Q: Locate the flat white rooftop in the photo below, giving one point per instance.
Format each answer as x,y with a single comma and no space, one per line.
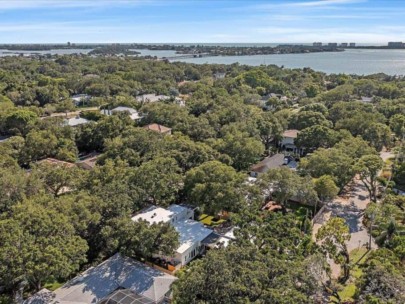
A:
133,114
190,232
155,214
76,121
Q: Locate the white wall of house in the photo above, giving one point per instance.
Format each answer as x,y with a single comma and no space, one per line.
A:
188,255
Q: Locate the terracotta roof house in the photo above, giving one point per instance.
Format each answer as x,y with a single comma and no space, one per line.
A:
288,141
159,128
112,281
290,133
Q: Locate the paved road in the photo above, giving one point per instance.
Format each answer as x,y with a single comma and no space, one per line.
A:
351,207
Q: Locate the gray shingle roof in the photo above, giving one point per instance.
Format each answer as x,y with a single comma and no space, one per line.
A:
118,272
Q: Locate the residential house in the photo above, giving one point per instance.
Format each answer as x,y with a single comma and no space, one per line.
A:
159,128
79,99
88,162
266,98
221,237
75,121
117,280
149,98
275,161
191,232
288,141
133,114
56,162
366,99
219,75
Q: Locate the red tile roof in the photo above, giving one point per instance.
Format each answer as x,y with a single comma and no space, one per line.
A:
291,133
158,128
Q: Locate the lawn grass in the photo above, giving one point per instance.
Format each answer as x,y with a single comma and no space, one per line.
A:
348,292
53,285
357,258
357,254
209,220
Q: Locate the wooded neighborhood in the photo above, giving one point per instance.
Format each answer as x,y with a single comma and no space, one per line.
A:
266,185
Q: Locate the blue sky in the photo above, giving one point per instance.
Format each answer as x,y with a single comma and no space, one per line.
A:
90,21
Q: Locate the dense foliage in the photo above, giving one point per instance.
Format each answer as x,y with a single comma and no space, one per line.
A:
58,220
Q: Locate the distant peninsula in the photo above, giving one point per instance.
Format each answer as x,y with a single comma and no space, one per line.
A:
198,50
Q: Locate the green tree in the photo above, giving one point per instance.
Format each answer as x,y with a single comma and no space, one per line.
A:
378,135
333,237
269,129
140,239
38,145
368,168
316,137
18,122
273,233
38,244
326,188
283,184
243,149
382,280
12,187
243,275
186,152
159,180
397,124
306,119
316,107
333,162
214,186
59,178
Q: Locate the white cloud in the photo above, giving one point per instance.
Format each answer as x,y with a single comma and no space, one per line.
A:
324,2
317,4
30,4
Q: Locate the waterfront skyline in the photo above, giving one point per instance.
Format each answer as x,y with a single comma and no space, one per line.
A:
294,21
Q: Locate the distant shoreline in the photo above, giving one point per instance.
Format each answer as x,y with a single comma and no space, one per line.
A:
187,51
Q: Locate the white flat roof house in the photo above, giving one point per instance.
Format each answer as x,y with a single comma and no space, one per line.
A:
146,98
80,98
191,232
115,278
151,98
75,121
155,214
133,114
